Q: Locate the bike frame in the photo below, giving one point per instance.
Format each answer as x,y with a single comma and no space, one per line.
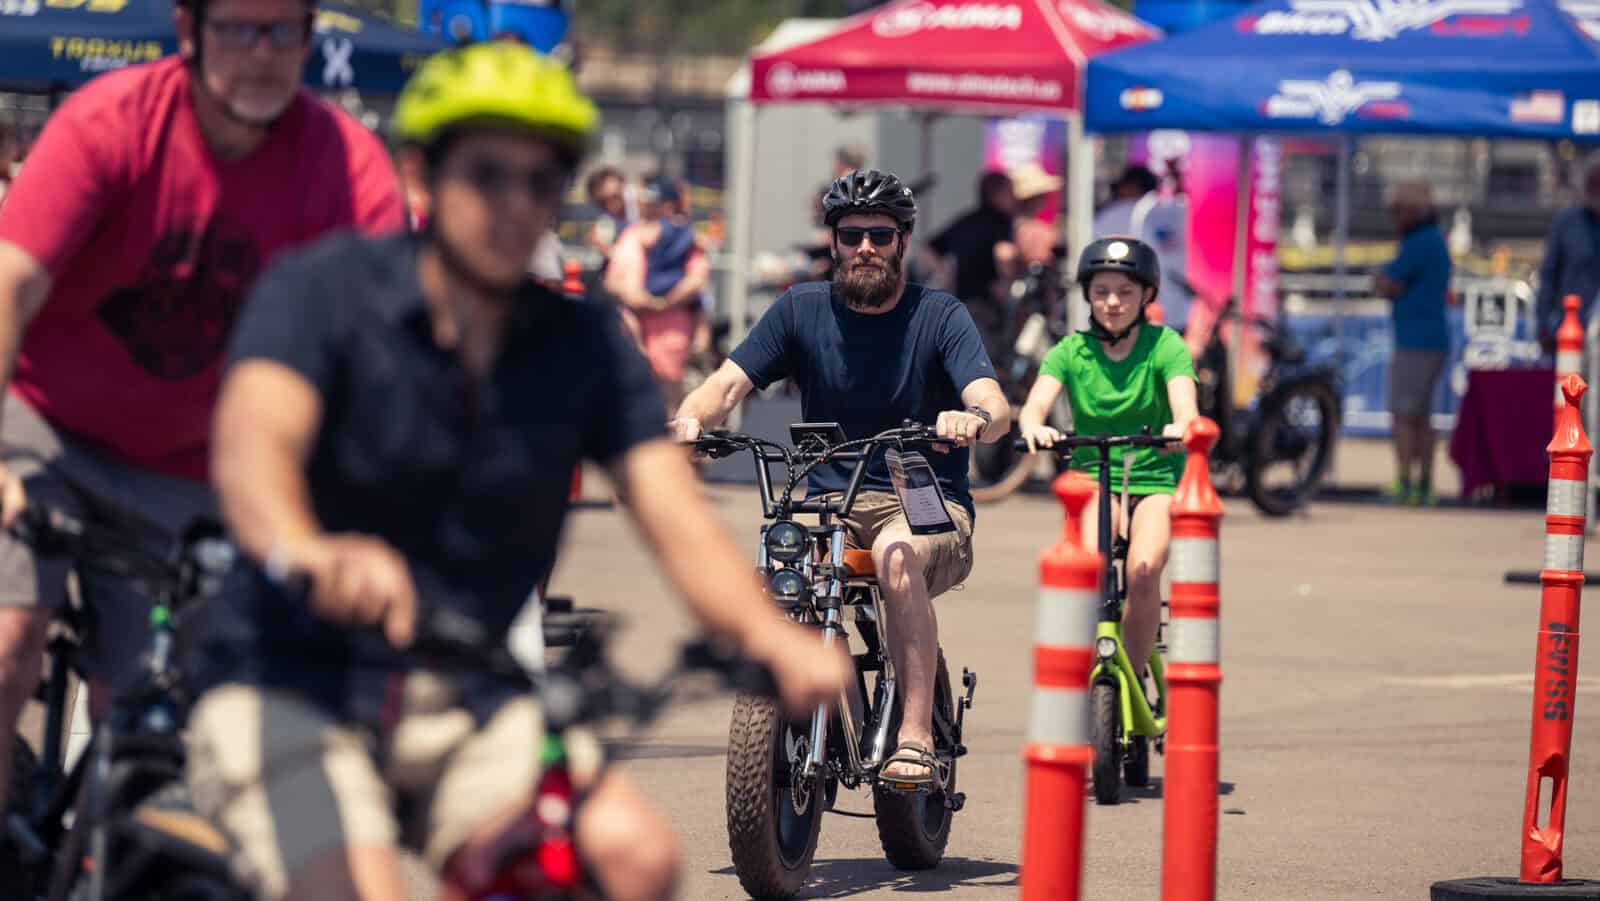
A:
1138,719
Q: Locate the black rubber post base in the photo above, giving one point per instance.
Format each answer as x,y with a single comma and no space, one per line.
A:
1531,577
1509,888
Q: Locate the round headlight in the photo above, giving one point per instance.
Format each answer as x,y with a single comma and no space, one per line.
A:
1105,647
787,541
787,586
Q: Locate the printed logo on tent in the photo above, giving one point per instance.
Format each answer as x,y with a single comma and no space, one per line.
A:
1543,107
101,55
1382,20
1586,117
785,80
914,17
1336,99
1101,23
337,70
1140,99
1004,88
110,7
1585,14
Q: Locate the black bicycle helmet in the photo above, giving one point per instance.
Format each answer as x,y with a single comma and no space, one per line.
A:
1129,256
869,191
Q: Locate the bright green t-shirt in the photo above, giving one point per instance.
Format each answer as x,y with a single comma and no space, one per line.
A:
1119,397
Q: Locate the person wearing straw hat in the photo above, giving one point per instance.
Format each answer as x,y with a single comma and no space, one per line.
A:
1032,239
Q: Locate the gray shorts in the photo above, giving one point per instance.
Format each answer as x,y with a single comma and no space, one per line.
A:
147,507
1412,377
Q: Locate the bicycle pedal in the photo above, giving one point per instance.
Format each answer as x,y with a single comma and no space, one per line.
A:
954,802
961,751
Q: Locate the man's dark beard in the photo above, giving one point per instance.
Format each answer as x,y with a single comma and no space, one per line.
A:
867,286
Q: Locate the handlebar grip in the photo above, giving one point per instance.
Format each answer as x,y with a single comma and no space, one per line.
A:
740,673
48,529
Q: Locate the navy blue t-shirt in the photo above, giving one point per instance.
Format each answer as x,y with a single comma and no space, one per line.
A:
870,372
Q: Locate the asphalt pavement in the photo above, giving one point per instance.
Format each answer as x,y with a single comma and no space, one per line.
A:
1375,709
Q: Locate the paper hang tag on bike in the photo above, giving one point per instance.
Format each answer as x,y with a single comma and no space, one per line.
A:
918,489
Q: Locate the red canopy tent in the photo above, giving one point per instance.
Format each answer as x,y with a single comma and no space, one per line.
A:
942,56
1021,55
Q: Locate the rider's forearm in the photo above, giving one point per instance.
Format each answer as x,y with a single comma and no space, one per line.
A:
24,285
1041,397
265,421
985,394
1030,418
711,403
264,497
695,550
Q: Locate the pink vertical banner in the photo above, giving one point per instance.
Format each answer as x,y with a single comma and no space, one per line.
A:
1261,243
1192,224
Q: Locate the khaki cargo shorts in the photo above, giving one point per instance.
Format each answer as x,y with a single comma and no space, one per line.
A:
949,554
287,783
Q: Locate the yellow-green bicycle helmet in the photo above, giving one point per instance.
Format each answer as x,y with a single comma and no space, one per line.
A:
498,82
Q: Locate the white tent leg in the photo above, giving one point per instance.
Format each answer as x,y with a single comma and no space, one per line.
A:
1079,213
741,235
925,213
1341,237
1239,283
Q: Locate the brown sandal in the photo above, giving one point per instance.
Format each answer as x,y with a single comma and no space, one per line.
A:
916,754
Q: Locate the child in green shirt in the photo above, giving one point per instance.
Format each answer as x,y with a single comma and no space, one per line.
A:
1121,375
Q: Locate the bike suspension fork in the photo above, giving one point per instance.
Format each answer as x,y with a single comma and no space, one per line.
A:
832,634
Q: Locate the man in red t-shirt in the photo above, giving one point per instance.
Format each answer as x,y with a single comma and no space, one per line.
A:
152,200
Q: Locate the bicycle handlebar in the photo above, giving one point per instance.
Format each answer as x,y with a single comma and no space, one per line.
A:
202,550
1105,443
583,687
718,443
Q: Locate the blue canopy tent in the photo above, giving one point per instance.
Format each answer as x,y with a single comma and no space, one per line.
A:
54,47
1486,68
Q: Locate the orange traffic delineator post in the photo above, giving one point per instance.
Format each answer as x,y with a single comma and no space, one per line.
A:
1555,676
1058,751
1154,314
1194,676
572,281
1569,345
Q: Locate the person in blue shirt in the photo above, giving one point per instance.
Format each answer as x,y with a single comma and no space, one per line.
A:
1571,262
868,350
1417,282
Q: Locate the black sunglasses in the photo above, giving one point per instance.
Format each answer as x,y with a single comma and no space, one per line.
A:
490,177
244,35
850,236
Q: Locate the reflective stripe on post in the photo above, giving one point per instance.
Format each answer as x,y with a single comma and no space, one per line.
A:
1057,754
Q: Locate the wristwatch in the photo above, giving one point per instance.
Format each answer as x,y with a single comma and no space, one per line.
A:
981,413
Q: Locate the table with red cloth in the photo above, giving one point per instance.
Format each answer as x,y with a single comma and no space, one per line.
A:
1505,422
